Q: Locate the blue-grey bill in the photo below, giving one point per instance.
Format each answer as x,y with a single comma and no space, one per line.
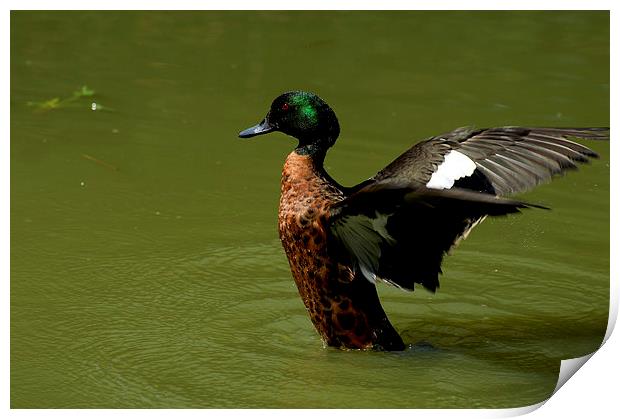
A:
262,128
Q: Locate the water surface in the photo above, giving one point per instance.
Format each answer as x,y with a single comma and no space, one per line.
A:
146,269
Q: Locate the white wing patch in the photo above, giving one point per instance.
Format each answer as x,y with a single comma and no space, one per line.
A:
362,236
455,166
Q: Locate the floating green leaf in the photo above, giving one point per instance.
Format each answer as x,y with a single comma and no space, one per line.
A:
46,105
84,92
72,100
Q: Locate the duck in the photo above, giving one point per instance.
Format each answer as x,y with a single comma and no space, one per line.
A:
397,226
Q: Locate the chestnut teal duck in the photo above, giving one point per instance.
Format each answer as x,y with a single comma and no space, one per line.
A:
397,226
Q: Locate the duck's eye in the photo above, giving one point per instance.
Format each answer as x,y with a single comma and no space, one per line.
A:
284,107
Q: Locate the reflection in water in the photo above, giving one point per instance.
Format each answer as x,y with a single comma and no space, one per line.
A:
162,283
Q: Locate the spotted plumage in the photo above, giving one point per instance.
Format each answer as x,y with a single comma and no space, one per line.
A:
343,307
396,226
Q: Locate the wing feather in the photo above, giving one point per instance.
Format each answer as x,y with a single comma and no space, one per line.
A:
511,159
400,233
398,225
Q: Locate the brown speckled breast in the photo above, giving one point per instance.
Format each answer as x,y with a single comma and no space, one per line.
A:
343,307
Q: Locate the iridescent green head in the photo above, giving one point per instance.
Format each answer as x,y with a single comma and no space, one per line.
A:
302,115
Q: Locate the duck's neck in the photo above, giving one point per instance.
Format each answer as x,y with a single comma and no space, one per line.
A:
316,149
302,171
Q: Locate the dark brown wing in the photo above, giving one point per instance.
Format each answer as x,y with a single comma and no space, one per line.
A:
500,161
399,233
398,225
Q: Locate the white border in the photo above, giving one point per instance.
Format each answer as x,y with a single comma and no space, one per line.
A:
592,392
314,5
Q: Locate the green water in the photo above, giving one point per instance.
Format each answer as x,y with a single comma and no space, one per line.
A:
146,269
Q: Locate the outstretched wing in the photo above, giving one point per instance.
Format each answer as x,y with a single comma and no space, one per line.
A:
499,161
398,225
399,233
